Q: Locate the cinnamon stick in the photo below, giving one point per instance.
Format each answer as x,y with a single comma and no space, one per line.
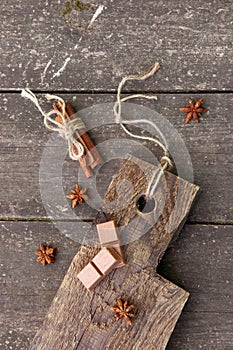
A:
87,141
82,161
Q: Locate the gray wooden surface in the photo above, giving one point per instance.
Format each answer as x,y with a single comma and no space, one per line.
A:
191,39
193,42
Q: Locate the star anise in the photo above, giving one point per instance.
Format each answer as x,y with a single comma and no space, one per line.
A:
122,310
193,110
77,195
46,255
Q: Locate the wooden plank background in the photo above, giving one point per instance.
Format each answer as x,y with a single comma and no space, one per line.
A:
193,43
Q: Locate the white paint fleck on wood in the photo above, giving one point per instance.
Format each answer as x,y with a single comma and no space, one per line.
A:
58,73
45,71
96,15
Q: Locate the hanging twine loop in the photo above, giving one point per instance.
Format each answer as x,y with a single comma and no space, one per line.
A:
66,129
165,159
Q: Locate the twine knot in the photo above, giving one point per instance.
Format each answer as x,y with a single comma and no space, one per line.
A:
66,128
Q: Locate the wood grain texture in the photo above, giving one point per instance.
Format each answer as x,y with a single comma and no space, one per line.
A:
23,139
193,42
78,319
27,288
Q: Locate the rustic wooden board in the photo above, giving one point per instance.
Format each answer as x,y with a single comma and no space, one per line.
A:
78,319
23,139
27,288
193,42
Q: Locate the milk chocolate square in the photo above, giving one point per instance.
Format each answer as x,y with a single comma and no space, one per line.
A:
106,260
90,276
107,233
109,238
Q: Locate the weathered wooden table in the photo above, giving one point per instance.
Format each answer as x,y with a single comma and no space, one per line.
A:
193,42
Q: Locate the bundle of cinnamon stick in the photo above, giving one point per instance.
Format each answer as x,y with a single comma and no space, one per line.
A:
91,157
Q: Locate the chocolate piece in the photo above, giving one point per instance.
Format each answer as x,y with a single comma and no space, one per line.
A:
109,238
121,257
90,276
99,267
107,234
106,260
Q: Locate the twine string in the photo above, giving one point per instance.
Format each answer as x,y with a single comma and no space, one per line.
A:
165,159
66,129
